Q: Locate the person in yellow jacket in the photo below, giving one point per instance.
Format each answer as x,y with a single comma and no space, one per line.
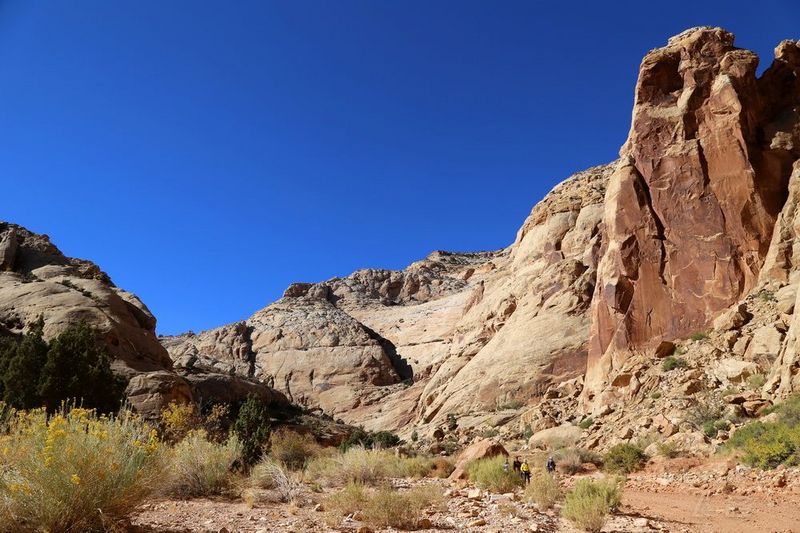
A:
525,468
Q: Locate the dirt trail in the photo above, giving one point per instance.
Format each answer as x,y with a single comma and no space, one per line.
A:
716,513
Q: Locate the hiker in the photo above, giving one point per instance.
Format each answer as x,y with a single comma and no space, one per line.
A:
526,471
551,465
505,465
516,464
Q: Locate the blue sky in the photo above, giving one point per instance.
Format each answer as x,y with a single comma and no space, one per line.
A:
208,154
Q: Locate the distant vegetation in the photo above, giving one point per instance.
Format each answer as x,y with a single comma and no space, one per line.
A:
771,444
72,367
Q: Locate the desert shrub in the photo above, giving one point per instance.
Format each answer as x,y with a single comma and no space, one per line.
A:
292,449
269,474
671,363
414,436
75,471
356,465
756,381
588,504
370,466
624,458
543,490
384,507
199,467
252,429
177,420
489,474
441,468
452,422
788,410
568,460
527,432
711,428
767,445
698,336
348,500
668,449
21,365
586,423
655,395
369,439
388,507
413,467
766,295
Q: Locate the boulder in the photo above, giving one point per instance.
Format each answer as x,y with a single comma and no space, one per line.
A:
556,437
734,318
481,449
733,370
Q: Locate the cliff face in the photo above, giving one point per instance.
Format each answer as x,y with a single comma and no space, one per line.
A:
691,208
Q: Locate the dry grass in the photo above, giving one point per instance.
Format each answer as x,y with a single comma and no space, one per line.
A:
293,449
269,474
199,467
75,471
489,474
589,503
385,506
543,490
366,466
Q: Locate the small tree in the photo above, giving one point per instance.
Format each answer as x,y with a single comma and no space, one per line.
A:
22,364
252,429
79,368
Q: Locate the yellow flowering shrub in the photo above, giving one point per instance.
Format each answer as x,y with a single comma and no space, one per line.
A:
74,470
178,419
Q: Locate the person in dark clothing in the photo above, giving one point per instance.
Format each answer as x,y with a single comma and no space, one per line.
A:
551,465
517,464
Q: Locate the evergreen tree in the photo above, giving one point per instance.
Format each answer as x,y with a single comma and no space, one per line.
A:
23,367
79,369
252,429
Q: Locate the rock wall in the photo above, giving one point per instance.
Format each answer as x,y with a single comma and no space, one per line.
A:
691,208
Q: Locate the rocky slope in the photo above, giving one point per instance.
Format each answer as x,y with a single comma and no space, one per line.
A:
36,279
616,267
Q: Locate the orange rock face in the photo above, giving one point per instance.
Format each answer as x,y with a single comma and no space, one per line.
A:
690,209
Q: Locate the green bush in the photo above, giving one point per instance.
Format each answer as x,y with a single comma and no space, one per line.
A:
624,458
711,428
489,474
368,439
586,423
588,504
671,363
252,429
73,367
767,445
698,336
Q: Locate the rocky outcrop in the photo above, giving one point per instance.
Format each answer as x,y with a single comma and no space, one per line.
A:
691,207
36,279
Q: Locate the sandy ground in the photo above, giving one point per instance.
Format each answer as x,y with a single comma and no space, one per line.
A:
677,497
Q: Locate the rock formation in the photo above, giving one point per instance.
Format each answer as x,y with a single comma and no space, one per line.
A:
36,279
691,207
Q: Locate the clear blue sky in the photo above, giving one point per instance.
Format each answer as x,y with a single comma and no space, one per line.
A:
207,154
